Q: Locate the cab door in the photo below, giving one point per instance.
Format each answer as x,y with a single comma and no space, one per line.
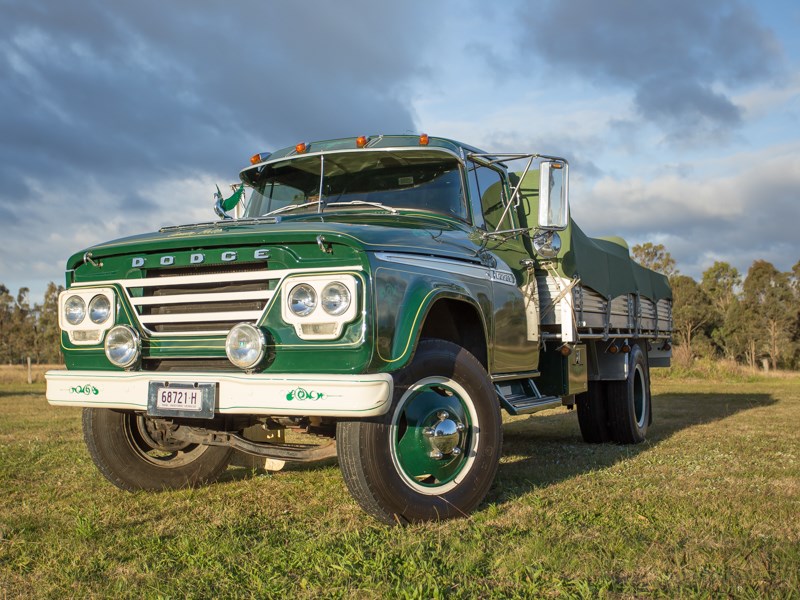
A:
514,328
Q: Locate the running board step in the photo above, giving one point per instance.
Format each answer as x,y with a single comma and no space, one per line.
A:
522,397
525,406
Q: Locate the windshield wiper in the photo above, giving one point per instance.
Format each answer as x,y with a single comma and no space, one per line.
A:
289,207
362,203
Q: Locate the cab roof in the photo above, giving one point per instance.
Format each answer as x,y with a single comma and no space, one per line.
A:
373,142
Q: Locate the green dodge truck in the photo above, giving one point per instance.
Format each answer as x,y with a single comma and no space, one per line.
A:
388,295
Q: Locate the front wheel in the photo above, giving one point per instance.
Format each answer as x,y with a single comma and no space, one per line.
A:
134,455
435,453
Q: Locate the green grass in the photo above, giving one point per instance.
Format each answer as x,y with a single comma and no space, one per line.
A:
708,507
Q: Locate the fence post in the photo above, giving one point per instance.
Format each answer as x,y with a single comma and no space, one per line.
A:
30,380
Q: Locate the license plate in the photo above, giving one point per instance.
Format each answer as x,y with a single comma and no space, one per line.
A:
165,399
172,398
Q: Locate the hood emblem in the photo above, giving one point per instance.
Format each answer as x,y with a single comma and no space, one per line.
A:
198,258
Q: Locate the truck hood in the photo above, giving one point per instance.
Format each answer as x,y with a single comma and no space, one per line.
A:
421,234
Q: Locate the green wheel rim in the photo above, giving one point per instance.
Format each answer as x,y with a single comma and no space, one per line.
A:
433,436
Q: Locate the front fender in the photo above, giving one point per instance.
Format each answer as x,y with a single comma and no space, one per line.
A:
403,297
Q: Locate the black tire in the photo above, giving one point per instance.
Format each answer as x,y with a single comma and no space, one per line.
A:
593,413
443,401
129,457
629,409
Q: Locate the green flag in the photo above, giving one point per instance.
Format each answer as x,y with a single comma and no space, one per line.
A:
229,203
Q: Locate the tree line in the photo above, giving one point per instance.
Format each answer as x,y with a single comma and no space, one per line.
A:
29,330
748,319
724,315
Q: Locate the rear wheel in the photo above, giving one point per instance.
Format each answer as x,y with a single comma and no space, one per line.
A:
593,414
134,455
629,410
435,453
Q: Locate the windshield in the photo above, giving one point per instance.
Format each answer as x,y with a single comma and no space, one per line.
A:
421,180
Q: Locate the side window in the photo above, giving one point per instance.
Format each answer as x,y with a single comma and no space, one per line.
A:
487,196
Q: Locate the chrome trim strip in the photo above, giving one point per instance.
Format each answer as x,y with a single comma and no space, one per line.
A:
199,298
447,265
238,315
513,376
220,277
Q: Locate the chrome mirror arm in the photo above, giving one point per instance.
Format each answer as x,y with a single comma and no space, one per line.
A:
218,208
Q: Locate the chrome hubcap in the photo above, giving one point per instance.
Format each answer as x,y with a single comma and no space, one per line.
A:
444,436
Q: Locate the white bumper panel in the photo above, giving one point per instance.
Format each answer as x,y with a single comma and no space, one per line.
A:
288,395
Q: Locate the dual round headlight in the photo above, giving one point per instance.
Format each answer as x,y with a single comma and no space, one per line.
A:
75,310
99,309
335,299
302,300
245,345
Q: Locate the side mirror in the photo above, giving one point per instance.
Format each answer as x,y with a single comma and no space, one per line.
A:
553,195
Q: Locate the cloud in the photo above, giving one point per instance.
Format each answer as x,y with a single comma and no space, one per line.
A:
104,104
198,80
678,58
700,218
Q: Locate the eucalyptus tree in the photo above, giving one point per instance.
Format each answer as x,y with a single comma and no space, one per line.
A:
771,305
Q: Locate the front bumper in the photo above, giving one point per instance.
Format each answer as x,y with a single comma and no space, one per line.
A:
286,395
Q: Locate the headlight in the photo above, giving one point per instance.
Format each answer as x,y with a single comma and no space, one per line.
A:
123,346
302,300
99,309
319,307
335,298
86,314
547,244
75,310
245,345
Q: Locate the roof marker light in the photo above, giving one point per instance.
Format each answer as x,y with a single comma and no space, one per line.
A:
361,141
423,139
300,148
259,158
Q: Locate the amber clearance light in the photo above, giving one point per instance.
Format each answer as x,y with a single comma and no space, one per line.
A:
361,141
423,139
300,148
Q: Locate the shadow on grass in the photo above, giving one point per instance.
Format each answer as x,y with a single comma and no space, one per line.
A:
238,472
21,391
546,449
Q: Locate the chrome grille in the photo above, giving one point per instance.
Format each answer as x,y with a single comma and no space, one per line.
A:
201,303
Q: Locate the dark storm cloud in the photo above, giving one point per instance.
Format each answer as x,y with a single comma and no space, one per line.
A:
118,117
127,90
676,56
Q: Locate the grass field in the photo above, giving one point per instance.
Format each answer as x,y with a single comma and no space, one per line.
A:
708,507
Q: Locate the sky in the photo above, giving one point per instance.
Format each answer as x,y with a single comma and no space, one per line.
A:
681,119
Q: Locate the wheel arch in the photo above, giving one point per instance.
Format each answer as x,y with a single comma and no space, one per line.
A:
441,313
458,321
